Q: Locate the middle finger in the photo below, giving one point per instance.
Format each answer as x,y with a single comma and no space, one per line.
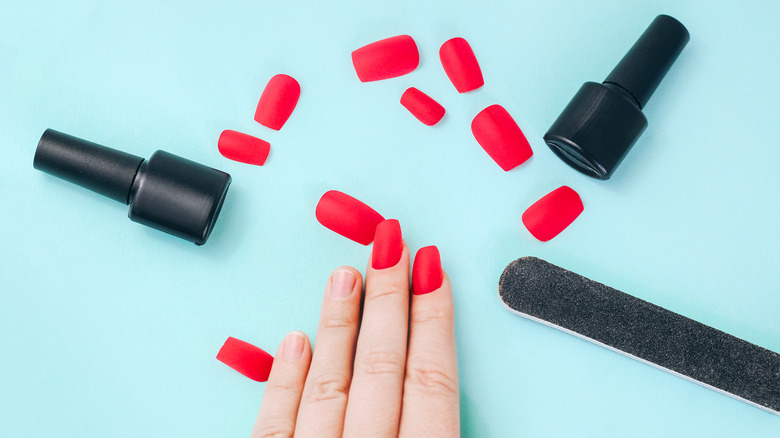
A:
374,404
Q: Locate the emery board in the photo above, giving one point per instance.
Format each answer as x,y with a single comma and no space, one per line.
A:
549,294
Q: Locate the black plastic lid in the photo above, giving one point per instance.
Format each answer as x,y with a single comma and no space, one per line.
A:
101,169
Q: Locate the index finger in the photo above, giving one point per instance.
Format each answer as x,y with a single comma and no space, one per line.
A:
431,395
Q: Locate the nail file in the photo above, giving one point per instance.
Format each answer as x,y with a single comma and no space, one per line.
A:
549,294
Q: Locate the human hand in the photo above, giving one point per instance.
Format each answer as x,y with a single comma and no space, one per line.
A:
400,379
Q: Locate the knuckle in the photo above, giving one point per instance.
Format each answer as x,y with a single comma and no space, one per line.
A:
273,429
377,362
329,387
428,315
386,291
282,387
338,322
431,379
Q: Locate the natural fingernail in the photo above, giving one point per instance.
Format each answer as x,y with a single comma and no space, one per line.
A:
427,275
342,285
388,245
293,345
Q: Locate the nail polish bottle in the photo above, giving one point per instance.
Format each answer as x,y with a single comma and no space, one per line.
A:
603,121
166,192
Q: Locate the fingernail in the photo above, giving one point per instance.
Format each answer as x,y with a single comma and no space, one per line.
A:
500,137
293,345
245,358
427,275
388,245
243,148
461,65
347,216
422,106
277,101
342,285
387,58
550,215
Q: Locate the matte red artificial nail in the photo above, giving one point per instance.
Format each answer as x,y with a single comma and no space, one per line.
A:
347,216
388,245
422,106
461,65
243,148
500,137
247,359
387,58
277,101
553,213
427,275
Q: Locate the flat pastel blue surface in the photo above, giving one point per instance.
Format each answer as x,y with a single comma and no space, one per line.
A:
108,328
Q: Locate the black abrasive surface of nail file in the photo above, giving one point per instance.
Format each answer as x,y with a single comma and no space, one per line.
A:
549,294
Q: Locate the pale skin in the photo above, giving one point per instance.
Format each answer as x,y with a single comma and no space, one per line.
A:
388,372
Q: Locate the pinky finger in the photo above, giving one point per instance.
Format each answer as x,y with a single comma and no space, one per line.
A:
282,395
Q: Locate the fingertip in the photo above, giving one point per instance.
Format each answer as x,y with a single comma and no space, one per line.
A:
427,273
295,346
405,259
358,276
445,282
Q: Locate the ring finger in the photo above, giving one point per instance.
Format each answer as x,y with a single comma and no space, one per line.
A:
324,400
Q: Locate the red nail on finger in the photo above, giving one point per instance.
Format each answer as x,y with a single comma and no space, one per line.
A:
547,217
500,137
388,245
461,65
347,216
427,275
384,59
243,148
422,106
277,101
247,359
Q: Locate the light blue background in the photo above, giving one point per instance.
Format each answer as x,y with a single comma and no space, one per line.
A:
108,328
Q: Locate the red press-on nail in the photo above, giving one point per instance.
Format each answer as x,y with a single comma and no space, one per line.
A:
384,59
426,272
243,148
388,245
553,213
246,359
422,106
461,65
277,101
347,216
500,137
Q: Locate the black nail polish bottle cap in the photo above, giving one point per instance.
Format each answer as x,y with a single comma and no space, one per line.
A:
597,129
166,192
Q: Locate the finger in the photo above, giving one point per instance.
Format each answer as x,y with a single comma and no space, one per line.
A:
324,400
283,390
430,401
374,404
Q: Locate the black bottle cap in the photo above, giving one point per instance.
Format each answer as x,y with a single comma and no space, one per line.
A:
103,170
166,192
598,127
